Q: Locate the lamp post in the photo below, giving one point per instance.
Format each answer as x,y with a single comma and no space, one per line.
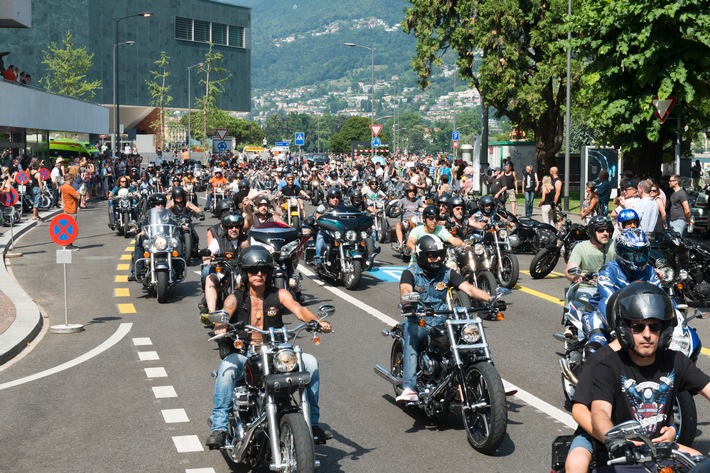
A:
372,85
116,113
114,136
189,105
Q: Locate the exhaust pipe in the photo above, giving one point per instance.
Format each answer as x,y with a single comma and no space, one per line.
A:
567,373
387,375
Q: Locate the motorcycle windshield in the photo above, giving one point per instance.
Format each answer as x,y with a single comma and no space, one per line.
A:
348,217
161,222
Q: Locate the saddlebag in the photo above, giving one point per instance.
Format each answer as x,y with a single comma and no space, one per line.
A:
560,447
287,381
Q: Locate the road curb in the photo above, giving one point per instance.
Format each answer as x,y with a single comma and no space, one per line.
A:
28,316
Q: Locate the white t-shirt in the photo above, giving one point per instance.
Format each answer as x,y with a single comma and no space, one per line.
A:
56,176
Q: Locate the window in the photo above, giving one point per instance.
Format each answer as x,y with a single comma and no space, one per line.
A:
236,36
200,31
219,34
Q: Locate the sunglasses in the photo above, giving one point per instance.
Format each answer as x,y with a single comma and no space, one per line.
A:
672,180
604,230
435,256
262,270
654,190
410,191
430,218
233,226
639,328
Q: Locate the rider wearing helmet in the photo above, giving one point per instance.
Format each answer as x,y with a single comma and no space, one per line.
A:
333,180
443,205
429,276
123,186
217,182
410,205
643,377
333,198
291,189
631,264
357,201
430,227
178,203
591,255
264,212
458,223
628,218
249,306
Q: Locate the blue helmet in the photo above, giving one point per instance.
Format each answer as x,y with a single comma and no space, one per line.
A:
632,250
626,216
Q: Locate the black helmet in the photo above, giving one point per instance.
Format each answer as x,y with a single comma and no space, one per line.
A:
232,219
642,300
255,256
486,204
356,195
430,211
455,201
224,205
333,174
597,222
444,198
157,199
425,246
239,175
178,192
334,192
244,184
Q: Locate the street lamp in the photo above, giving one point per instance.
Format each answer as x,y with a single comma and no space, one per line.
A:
372,86
114,139
116,113
189,105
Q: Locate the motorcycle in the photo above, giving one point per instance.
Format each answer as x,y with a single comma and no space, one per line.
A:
501,260
123,207
402,251
382,225
684,339
162,265
270,422
473,265
684,265
456,370
285,244
345,253
528,235
562,245
190,240
291,211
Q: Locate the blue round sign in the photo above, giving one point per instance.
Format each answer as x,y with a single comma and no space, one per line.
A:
376,142
222,146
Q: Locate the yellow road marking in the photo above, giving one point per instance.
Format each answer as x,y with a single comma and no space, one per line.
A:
705,351
123,267
552,273
129,248
541,295
120,278
122,292
126,308
125,257
133,242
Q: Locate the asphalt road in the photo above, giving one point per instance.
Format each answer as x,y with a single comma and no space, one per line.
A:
133,391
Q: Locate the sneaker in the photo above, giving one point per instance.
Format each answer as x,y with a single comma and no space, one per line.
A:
320,436
111,226
408,395
132,277
205,319
216,440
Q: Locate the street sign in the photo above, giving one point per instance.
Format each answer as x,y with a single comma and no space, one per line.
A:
22,177
44,173
376,129
376,143
663,107
300,138
455,135
456,144
10,198
222,146
221,132
63,229
282,143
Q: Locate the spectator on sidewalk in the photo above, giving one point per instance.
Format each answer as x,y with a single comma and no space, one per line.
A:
659,198
547,200
588,206
646,208
679,212
70,195
511,185
57,178
603,192
530,186
557,186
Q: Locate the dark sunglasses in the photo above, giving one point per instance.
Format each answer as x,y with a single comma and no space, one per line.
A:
430,218
604,230
234,226
638,328
262,270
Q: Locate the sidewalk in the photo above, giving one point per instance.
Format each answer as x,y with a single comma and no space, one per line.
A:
20,318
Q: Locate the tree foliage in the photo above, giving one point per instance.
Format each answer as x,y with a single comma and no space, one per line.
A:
523,61
638,49
160,95
354,129
214,78
67,69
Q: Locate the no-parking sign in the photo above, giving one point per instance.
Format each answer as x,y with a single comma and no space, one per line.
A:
22,178
44,173
10,198
63,229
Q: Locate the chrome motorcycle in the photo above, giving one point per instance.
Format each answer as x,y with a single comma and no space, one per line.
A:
473,264
123,210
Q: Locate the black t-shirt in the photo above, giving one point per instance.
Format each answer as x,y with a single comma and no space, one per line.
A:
294,191
455,278
583,390
644,393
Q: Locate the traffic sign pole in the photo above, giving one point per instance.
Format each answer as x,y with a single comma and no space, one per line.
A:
63,230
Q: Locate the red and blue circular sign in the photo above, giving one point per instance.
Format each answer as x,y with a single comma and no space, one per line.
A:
63,229
10,198
22,178
44,173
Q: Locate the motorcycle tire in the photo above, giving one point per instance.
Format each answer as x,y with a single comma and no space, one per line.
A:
187,245
543,263
296,222
685,417
397,364
296,443
352,280
485,427
119,228
384,230
458,299
486,281
161,288
126,226
394,212
510,270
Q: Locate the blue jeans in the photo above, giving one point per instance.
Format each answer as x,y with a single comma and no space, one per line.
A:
413,336
529,198
320,242
36,197
231,370
679,226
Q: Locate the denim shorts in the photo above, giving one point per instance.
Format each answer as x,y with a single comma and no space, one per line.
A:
582,440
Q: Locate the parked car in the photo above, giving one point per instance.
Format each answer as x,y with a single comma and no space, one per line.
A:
318,159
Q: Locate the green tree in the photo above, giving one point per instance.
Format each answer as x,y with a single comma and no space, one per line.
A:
160,95
522,63
354,129
639,49
67,69
214,79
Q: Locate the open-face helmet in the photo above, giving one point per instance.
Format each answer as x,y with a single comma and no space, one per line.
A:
178,193
157,199
486,204
597,222
232,219
334,192
427,245
223,206
626,217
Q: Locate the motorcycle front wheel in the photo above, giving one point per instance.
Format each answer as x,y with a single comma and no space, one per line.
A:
509,270
543,263
685,417
382,236
458,299
352,279
296,444
161,288
397,364
126,226
187,245
485,425
487,282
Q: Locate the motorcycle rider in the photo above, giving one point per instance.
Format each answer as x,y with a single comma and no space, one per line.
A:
265,213
224,207
460,226
429,276
443,205
258,298
486,206
231,239
357,201
333,198
179,204
217,183
121,183
410,204
431,227
592,254
293,190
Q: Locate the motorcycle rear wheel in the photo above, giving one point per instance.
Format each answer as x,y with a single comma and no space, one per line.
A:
397,364
543,263
485,427
296,444
685,417
510,270
161,287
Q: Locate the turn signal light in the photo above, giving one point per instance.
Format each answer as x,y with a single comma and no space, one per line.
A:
679,286
238,344
146,255
422,323
316,340
218,269
666,469
500,316
175,254
336,243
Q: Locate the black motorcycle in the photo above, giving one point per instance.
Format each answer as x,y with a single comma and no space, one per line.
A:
190,239
456,372
546,259
123,210
528,235
683,264
347,233
270,421
473,265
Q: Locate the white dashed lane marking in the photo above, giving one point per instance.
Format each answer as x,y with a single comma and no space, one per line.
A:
164,391
188,443
148,355
200,470
142,341
158,372
174,416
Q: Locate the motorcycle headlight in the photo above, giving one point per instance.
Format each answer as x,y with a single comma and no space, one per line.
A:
683,274
478,249
285,361
351,235
174,242
337,235
379,205
160,243
471,333
666,273
288,248
294,202
502,234
363,235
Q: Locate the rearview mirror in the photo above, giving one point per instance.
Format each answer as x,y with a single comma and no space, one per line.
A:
203,253
218,317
